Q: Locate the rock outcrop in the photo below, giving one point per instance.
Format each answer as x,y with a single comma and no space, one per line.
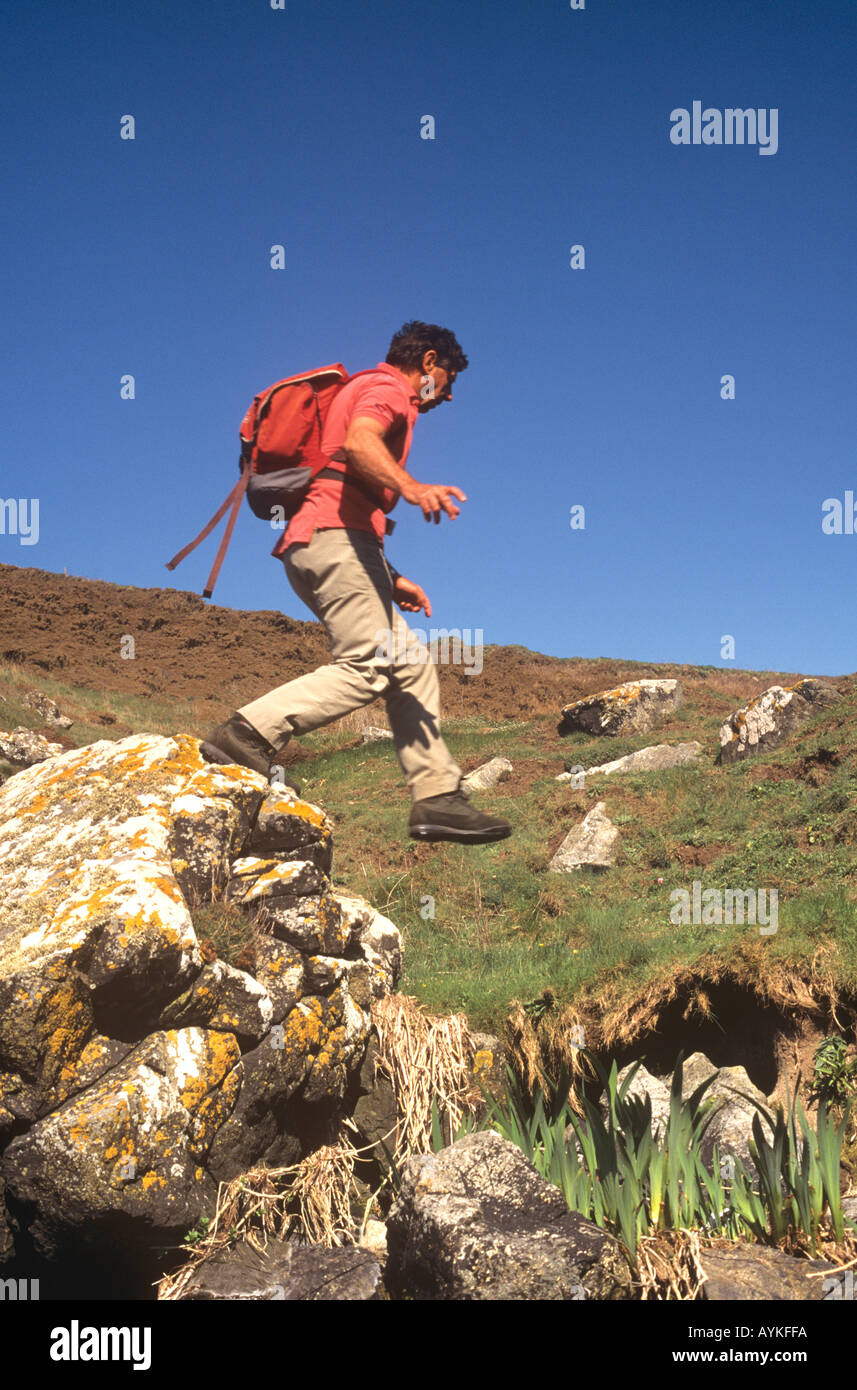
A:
488,775
47,709
632,708
476,1222
135,1074
659,756
591,845
771,717
758,1273
288,1273
735,1103
23,748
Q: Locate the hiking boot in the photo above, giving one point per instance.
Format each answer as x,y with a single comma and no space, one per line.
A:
451,817
237,741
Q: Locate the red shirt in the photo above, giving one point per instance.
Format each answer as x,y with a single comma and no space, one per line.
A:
381,394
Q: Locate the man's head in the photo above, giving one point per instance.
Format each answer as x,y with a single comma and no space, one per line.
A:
430,357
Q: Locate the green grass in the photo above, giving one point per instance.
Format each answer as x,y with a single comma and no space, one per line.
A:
505,928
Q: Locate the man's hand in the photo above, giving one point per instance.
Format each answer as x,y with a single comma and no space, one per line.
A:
410,597
432,498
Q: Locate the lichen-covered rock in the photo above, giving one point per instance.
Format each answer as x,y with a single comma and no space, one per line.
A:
280,970
315,925
772,716
593,844
476,1222
289,828
488,775
223,999
207,830
288,1273
124,1094
47,709
256,880
85,869
23,748
631,708
20,1105
380,942
130,1145
660,755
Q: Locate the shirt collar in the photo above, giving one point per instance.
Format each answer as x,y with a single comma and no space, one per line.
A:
394,371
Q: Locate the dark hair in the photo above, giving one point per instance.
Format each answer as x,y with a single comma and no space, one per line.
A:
413,340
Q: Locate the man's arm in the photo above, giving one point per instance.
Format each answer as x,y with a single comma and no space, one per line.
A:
372,460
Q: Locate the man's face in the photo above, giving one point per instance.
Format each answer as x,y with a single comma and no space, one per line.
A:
436,386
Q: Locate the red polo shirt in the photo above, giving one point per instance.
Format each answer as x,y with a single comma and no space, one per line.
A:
381,394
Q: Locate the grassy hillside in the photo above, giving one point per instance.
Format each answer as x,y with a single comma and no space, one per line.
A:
489,925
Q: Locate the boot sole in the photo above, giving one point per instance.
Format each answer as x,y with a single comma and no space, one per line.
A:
463,837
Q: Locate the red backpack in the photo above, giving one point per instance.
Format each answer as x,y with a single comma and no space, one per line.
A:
280,455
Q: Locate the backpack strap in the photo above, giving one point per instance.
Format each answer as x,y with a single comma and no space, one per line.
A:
234,500
342,476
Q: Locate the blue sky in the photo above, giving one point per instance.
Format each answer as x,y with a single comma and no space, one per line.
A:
598,387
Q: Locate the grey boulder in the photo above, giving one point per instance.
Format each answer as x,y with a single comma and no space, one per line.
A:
475,1222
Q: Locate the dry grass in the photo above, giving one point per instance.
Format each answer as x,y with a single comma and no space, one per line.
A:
427,1059
310,1201
540,1049
669,1266
430,1063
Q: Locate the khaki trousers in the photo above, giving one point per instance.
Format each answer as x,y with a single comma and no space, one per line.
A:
342,577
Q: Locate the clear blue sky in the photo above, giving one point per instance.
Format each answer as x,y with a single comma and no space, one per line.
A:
598,387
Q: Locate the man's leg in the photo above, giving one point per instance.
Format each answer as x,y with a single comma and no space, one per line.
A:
343,579
328,576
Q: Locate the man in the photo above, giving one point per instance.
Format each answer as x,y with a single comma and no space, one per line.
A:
333,552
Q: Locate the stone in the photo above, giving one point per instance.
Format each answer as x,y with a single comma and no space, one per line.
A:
136,1071
379,941
254,880
632,708
736,1099
757,1272
289,828
314,925
280,970
47,709
660,755
23,748
730,1122
593,844
288,1273
488,775
475,1222
772,716
206,831
129,1147
223,999
374,1109
372,734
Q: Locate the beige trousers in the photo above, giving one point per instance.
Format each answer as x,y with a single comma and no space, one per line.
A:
342,577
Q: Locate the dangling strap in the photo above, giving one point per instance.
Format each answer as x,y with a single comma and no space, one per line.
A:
234,500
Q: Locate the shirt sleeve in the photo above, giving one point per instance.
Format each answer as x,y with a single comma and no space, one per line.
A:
379,400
